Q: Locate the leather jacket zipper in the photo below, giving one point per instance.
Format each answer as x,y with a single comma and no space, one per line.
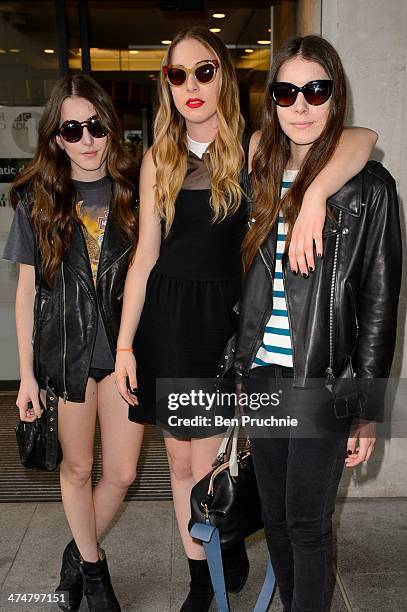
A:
329,370
65,393
289,317
239,372
271,274
112,264
101,309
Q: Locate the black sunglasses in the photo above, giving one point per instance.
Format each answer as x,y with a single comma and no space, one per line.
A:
72,130
315,92
204,72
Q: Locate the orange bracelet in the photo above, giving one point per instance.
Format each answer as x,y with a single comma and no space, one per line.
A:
129,350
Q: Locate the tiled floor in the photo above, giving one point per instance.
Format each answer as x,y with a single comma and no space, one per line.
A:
149,570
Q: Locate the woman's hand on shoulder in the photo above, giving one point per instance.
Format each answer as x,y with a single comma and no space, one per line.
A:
307,231
126,376
362,433
28,401
350,157
308,226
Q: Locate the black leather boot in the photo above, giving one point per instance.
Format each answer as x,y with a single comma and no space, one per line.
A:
236,567
200,592
98,587
71,583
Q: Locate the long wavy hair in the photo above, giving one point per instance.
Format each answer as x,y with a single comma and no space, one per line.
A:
224,158
273,151
48,175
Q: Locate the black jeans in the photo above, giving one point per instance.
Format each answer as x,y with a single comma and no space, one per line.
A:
298,480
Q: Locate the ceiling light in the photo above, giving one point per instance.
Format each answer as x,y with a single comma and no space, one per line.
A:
133,51
215,30
3,51
166,42
249,50
14,50
49,51
263,42
218,15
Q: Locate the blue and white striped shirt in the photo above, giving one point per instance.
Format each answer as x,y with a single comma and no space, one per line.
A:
276,347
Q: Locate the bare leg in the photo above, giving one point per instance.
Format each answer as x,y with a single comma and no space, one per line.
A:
76,433
121,444
189,461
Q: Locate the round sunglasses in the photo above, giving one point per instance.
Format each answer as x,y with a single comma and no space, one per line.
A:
315,92
72,130
204,72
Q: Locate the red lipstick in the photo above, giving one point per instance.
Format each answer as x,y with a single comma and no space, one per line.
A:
194,103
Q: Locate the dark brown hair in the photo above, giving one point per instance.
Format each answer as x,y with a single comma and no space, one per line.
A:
48,174
273,151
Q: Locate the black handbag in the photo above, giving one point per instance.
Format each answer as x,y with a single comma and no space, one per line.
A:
228,497
37,440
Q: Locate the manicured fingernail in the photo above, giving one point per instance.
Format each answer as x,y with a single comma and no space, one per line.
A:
349,451
304,275
294,272
319,255
311,269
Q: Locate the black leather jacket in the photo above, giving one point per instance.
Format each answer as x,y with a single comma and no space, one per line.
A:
343,317
66,313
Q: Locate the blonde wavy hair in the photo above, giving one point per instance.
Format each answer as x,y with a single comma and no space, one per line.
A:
225,156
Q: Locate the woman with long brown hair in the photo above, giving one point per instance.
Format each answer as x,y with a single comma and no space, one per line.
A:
185,278
73,234
323,339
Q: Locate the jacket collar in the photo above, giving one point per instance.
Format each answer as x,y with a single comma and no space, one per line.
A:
349,197
115,243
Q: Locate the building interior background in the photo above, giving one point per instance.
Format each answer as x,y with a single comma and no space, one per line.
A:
122,43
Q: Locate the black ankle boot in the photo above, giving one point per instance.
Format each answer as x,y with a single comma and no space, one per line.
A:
200,592
236,567
71,583
98,587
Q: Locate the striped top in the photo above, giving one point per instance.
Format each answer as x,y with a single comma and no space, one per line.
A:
276,347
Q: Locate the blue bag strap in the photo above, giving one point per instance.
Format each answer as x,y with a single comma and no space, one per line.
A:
209,536
267,590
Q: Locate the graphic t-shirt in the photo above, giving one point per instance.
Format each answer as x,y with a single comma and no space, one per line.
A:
93,204
94,218
93,208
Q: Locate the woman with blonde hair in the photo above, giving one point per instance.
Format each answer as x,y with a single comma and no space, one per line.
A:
185,278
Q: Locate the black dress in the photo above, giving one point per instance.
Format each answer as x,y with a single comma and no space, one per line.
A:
188,314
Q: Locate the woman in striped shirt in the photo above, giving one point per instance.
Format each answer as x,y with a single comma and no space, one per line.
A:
320,328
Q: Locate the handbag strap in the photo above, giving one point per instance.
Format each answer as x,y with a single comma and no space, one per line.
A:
267,590
231,436
209,536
